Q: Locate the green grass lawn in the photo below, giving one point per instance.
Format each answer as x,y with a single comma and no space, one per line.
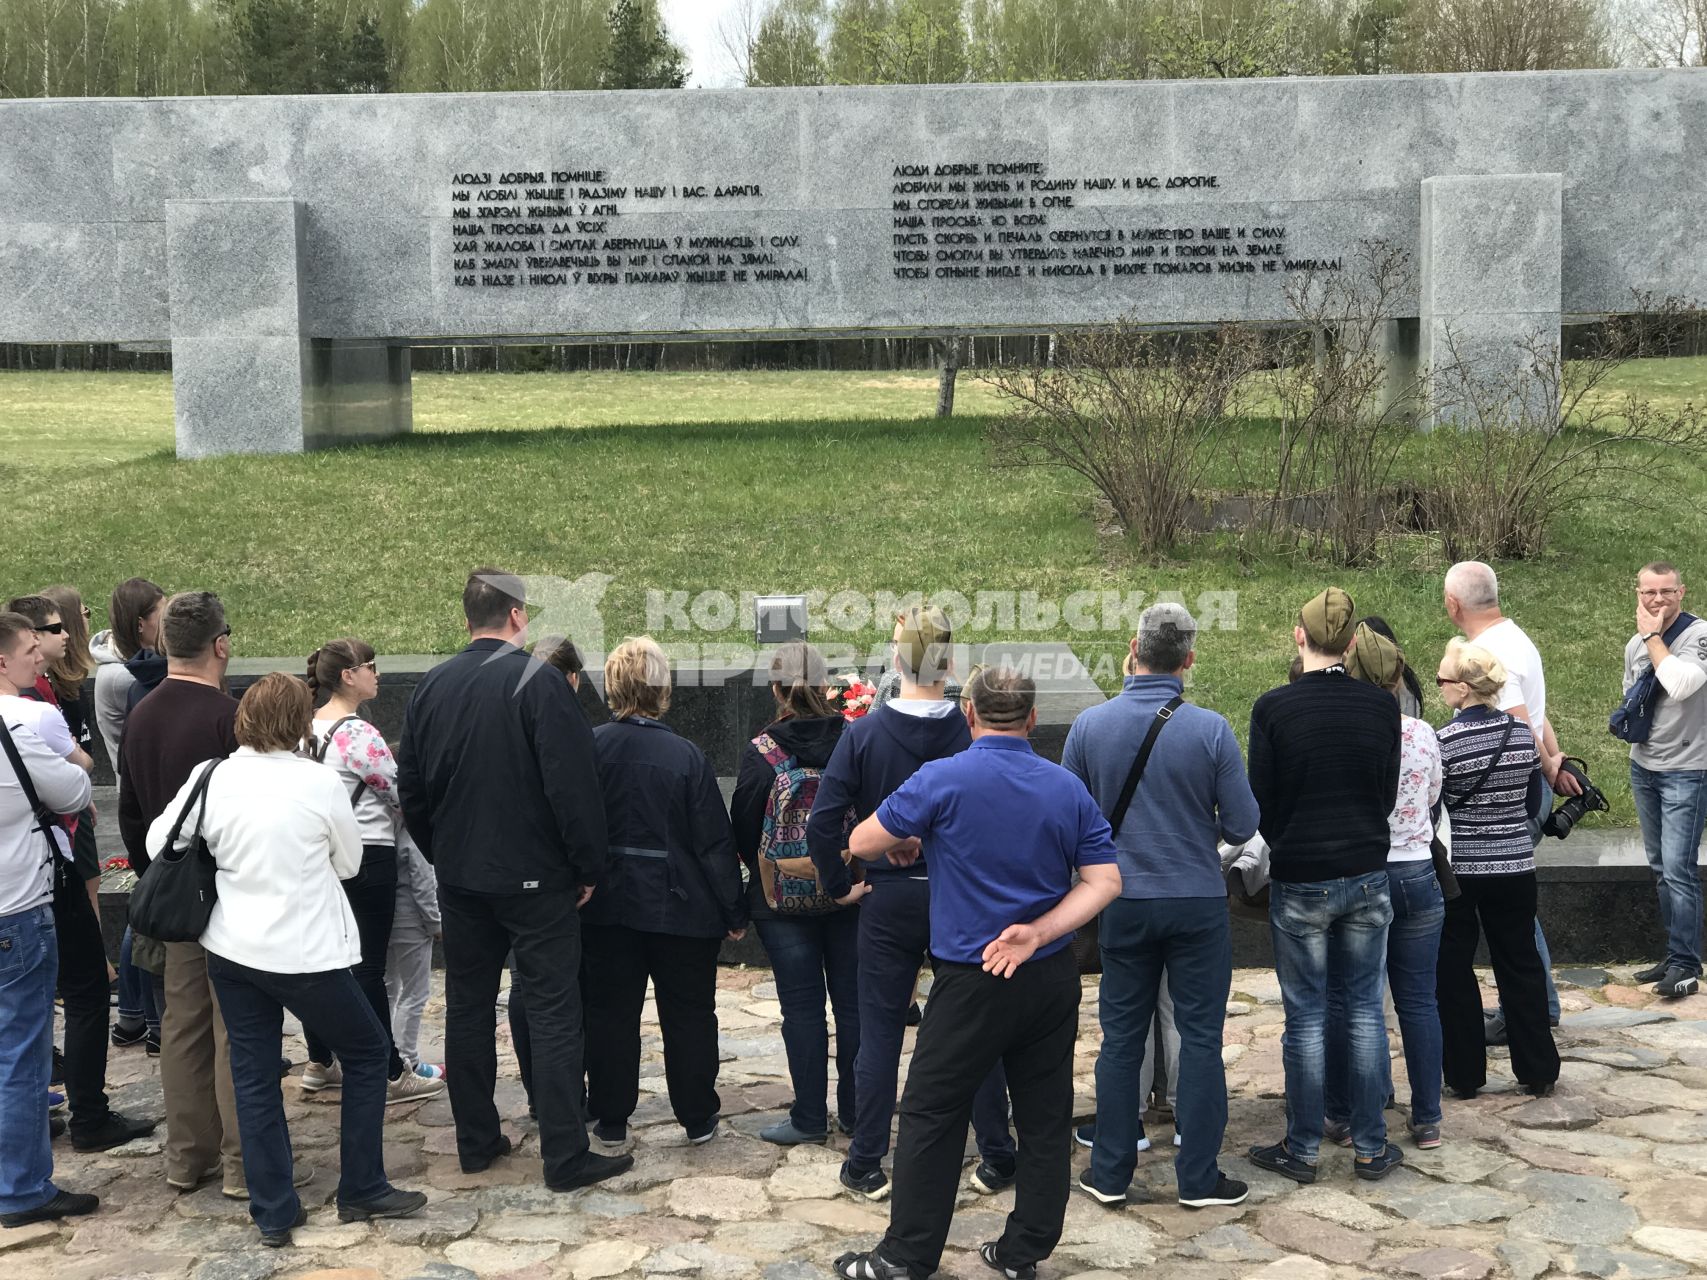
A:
755,482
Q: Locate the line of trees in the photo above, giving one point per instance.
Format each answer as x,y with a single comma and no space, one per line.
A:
52,48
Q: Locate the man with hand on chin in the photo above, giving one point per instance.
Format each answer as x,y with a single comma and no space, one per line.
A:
1006,830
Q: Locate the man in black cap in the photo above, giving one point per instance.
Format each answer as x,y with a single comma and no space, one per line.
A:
1324,766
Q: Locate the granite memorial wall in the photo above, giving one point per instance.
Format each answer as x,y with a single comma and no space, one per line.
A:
292,249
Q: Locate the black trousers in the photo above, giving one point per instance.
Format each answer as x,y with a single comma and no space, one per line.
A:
974,1021
1502,907
544,931
84,989
372,893
616,962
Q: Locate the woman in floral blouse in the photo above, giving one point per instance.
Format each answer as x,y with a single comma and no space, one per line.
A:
344,741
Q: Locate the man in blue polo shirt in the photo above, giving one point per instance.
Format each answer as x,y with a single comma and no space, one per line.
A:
1004,830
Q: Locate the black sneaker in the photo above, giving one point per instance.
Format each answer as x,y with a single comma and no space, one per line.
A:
1337,1132
1653,973
1227,1191
55,1127
1378,1168
915,1015
67,1204
152,1044
1278,1159
1677,983
1493,1030
700,1136
873,1184
282,1239
987,1179
1024,1271
124,1038
113,1130
591,1168
611,1133
393,1204
870,1266
1107,1199
479,1164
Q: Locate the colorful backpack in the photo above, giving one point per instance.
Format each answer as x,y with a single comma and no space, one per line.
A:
785,867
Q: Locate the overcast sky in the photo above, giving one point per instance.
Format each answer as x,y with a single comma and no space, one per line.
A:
694,25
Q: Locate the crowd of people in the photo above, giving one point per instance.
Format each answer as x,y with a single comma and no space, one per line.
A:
595,862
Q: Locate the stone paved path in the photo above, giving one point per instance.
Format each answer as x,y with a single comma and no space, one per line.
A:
1607,1179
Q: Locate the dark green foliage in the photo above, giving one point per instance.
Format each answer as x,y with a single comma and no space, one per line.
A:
641,54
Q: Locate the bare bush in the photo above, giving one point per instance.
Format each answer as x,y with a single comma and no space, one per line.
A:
1343,412
1523,447
1137,413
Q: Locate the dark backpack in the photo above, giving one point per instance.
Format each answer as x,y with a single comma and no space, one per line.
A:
1633,721
318,747
785,866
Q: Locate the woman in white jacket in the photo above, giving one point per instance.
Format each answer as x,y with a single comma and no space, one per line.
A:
282,936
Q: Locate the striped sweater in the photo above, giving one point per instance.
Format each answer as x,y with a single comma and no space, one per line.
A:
1490,830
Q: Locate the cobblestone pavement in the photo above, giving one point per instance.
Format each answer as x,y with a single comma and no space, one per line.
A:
1606,1179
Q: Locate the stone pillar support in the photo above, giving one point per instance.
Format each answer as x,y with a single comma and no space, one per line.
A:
246,377
1489,296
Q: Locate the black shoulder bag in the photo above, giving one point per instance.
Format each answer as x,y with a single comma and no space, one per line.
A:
322,745
1086,947
47,821
175,897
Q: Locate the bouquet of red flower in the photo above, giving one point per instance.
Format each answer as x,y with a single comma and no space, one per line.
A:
851,696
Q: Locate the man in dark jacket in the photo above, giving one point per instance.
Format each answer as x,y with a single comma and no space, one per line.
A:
876,755
500,791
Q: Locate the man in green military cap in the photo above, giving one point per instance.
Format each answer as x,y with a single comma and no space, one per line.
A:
1324,766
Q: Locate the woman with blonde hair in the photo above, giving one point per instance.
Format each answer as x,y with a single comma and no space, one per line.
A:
1491,785
812,942
669,897
282,937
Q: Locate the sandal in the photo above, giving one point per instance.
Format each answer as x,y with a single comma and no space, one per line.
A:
870,1266
987,1251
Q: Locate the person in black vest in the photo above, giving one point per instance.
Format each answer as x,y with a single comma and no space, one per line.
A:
501,793
670,896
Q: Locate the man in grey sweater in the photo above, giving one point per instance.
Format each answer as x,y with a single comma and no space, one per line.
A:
1668,772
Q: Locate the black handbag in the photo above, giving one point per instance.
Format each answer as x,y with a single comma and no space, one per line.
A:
175,896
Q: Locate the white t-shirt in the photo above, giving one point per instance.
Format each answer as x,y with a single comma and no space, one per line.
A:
1525,684
48,724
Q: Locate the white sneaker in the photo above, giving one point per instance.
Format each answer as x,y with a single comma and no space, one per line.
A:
410,1087
316,1077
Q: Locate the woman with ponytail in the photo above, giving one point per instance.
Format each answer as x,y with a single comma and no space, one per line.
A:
812,943
341,739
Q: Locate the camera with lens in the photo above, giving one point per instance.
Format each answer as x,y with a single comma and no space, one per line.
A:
1563,820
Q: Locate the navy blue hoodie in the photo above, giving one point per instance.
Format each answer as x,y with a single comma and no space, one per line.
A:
876,754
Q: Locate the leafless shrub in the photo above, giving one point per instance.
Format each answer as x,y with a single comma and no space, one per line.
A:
1518,449
1137,413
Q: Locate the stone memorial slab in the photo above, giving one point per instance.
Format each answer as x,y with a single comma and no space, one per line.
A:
292,248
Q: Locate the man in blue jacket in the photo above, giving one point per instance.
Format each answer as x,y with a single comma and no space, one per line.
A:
876,755
1171,916
500,791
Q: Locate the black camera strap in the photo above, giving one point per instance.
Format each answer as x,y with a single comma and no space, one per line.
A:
1117,815
47,821
1464,797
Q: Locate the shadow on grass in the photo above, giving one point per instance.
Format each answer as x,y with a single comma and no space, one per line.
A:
871,431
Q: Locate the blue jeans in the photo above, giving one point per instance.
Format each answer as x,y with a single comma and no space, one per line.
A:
811,956
1190,940
1328,931
137,1006
894,935
1413,952
332,1006
29,968
1672,808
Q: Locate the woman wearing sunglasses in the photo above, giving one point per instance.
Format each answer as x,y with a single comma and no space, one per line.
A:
341,739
